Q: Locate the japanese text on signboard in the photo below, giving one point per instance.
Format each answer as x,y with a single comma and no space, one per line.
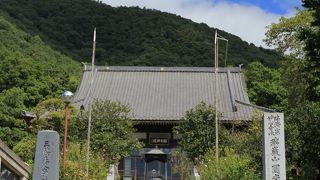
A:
274,146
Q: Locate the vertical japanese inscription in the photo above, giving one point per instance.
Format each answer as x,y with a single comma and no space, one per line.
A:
274,131
46,166
45,161
274,149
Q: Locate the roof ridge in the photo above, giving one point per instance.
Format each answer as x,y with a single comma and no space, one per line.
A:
164,69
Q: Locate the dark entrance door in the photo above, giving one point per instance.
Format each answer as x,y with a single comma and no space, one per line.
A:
156,165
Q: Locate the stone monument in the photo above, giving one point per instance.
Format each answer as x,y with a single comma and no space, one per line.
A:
46,163
274,167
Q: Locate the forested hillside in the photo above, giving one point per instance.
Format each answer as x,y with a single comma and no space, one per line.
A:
127,36
30,72
33,73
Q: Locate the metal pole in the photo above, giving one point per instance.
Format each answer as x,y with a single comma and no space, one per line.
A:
65,136
90,106
88,143
226,56
216,101
135,168
145,170
93,49
165,168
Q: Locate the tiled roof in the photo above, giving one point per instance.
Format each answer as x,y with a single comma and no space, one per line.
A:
10,159
166,93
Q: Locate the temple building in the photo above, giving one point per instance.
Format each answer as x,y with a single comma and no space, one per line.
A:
159,97
11,166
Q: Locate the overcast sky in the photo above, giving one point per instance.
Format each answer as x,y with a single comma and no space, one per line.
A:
245,18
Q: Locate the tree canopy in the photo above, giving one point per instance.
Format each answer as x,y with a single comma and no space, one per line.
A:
30,72
311,37
127,36
284,35
31,65
231,166
265,86
240,149
197,130
300,77
112,130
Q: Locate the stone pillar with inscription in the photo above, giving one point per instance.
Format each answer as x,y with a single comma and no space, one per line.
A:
46,163
274,167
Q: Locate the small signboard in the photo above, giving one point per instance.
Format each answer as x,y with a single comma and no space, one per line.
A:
274,166
159,141
46,166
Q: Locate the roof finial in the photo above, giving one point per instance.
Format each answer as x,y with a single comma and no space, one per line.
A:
84,65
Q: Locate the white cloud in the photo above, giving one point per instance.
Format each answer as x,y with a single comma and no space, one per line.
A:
246,21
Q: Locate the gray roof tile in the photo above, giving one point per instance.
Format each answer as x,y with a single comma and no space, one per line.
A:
156,93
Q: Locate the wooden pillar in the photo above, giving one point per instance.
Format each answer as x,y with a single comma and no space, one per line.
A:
145,170
165,171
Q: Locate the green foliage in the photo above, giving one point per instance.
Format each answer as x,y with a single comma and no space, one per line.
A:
112,130
127,36
35,68
231,166
238,142
284,35
11,136
197,130
26,149
11,107
50,114
30,72
75,164
181,164
300,76
293,81
299,36
304,127
198,137
311,38
247,142
12,126
265,86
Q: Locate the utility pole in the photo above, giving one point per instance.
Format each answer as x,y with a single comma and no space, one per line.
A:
217,37
216,64
90,105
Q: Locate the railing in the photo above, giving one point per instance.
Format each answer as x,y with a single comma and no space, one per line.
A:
133,175
128,173
195,173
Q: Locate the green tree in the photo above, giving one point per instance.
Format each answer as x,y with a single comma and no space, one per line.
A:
12,127
265,86
26,149
50,114
300,76
27,63
292,80
247,142
240,145
231,166
181,163
305,119
197,130
311,38
127,36
284,35
75,164
112,130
